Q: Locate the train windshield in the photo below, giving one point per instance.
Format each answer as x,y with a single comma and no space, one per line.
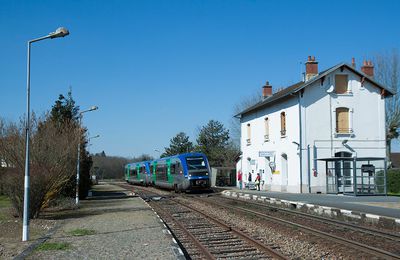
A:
196,163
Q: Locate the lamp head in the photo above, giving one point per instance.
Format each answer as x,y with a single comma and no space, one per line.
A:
344,142
94,108
60,32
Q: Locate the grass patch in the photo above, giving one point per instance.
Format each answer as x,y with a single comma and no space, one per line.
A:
5,205
82,232
53,246
5,202
394,194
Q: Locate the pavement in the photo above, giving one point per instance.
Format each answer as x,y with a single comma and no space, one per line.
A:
111,224
372,209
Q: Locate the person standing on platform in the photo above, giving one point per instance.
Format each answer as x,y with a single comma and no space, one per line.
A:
257,182
249,180
240,178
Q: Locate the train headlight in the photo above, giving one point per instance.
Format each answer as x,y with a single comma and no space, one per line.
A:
190,175
206,173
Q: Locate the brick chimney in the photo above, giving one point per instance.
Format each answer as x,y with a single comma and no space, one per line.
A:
311,68
267,90
368,68
353,63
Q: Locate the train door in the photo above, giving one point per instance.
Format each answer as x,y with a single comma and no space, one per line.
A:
143,173
127,175
153,169
170,178
137,172
132,173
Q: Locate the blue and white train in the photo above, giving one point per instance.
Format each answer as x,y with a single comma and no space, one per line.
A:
182,172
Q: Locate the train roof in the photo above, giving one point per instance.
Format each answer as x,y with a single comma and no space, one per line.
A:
136,163
180,156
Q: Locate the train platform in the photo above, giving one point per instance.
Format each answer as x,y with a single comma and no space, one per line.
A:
373,209
113,223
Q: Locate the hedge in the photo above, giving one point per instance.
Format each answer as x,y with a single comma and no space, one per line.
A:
393,180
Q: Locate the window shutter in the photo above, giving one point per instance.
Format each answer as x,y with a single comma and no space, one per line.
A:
341,84
283,123
342,120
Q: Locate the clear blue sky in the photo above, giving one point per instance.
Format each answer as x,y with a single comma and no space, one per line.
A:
156,68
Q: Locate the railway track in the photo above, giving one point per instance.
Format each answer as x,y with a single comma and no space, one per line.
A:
205,237
383,237
202,238
366,230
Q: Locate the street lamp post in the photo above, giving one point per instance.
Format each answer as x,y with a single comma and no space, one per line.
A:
93,137
79,153
60,32
91,175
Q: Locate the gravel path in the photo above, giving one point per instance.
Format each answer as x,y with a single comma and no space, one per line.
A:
124,228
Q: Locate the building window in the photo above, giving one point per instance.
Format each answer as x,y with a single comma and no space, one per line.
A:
248,134
343,121
341,84
266,129
283,124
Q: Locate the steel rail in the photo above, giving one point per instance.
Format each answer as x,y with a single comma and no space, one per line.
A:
264,248
203,249
241,234
366,230
372,250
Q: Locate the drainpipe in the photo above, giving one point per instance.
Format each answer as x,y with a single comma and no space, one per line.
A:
330,123
308,168
300,146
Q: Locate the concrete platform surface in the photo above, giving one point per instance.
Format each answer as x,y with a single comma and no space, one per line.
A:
115,225
378,206
388,206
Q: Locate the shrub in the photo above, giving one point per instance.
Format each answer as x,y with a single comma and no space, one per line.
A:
52,161
393,180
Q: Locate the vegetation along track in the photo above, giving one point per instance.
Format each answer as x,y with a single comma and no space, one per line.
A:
204,237
379,243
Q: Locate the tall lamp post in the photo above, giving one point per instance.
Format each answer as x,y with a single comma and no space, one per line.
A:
79,152
60,32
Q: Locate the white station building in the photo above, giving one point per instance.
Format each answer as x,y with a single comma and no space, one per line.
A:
325,134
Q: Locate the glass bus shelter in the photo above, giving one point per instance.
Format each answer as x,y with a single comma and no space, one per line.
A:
355,176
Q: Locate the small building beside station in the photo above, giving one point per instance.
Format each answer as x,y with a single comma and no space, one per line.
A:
324,134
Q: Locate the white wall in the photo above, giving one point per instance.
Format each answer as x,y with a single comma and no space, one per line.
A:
317,106
367,119
276,144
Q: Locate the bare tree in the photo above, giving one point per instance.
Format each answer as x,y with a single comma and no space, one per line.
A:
387,72
110,167
52,161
